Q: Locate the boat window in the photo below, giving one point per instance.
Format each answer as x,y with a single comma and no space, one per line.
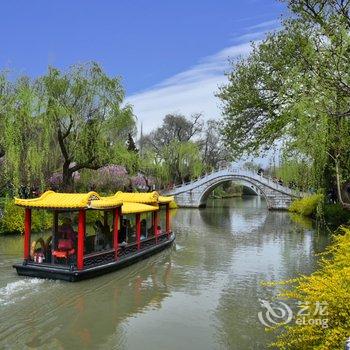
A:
129,223
99,231
162,219
147,229
61,246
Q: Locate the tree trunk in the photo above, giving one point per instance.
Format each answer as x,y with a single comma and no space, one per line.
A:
67,178
149,187
344,205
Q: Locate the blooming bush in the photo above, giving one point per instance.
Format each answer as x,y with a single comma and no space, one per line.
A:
110,178
56,179
329,285
139,182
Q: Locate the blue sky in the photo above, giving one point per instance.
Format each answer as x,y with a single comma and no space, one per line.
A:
171,55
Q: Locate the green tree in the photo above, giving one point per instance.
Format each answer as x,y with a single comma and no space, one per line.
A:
23,138
174,147
81,107
5,99
182,149
294,88
213,150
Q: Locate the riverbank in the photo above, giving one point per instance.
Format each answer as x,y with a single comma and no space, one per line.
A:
327,289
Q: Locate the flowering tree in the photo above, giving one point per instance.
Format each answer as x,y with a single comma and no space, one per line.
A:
142,182
108,179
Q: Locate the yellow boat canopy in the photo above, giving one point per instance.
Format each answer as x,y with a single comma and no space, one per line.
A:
130,202
134,208
106,203
165,199
146,198
53,200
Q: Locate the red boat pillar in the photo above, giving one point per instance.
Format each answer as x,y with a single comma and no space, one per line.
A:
138,231
27,229
81,236
115,231
167,219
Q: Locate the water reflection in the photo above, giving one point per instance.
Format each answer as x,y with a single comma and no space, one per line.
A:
201,294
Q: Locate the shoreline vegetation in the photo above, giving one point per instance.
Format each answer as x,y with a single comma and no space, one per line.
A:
315,207
329,284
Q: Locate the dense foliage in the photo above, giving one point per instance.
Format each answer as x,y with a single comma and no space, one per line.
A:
12,219
293,92
72,131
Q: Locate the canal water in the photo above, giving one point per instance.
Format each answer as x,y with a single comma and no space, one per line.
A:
203,293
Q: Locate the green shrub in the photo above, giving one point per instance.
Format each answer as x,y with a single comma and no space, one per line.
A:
307,206
330,285
13,219
336,215
41,220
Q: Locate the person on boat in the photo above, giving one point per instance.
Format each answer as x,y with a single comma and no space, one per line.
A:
143,229
159,230
66,235
100,237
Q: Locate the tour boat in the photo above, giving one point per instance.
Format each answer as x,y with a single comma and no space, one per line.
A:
74,252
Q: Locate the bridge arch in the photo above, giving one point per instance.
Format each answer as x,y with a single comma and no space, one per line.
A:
203,196
195,193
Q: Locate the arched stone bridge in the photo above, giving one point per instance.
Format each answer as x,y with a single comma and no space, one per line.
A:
195,193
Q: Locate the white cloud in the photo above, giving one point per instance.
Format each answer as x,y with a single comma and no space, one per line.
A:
190,91
268,24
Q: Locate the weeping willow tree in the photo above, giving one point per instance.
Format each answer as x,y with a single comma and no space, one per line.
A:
84,116
5,98
23,141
